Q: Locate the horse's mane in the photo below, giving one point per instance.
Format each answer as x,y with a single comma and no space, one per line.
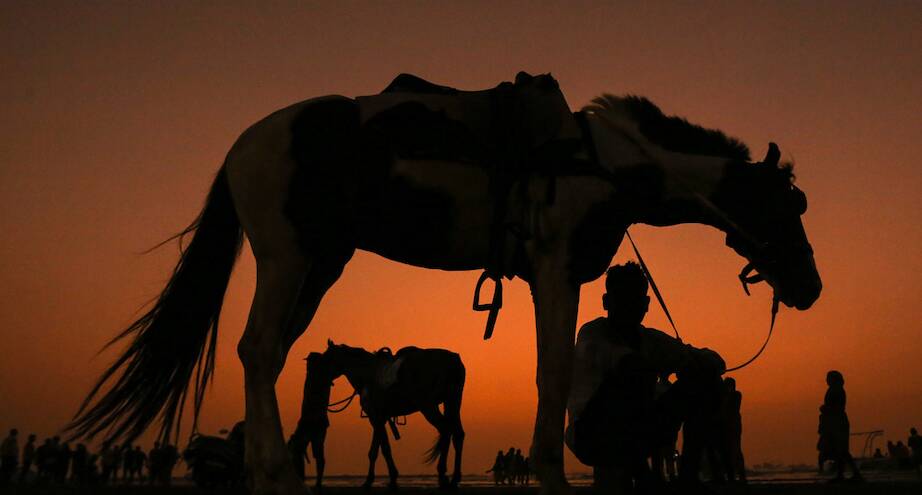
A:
671,132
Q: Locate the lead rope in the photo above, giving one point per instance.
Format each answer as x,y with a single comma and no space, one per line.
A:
646,272
768,337
662,303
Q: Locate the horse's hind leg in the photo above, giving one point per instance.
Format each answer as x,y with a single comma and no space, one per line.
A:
381,429
453,423
289,287
437,420
288,291
262,352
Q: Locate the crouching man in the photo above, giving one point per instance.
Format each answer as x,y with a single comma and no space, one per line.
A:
615,419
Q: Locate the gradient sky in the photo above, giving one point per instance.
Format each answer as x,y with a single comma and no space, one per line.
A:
115,118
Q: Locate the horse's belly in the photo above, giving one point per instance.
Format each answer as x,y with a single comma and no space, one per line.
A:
430,213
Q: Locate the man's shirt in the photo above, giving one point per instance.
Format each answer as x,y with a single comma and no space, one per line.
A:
599,349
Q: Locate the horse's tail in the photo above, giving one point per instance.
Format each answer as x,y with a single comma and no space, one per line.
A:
432,454
174,339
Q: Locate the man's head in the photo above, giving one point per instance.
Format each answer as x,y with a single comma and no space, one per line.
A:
625,297
32,437
835,379
14,432
913,432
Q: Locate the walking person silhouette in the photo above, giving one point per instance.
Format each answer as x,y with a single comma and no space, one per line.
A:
834,429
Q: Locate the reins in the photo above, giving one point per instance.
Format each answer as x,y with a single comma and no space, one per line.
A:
393,422
347,400
744,277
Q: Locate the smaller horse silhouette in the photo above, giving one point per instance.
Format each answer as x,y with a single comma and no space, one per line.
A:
391,385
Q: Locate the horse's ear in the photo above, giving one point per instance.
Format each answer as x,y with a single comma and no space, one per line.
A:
329,342
772,155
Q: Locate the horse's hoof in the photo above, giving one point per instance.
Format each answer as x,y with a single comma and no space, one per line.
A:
366,485
393,486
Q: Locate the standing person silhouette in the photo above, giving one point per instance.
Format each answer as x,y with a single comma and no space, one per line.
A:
612,411
28,457
499,468
9,456
834,428
915,443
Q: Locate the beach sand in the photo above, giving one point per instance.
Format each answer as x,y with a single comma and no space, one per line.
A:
820,488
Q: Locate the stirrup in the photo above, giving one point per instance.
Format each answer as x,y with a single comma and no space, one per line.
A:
493,306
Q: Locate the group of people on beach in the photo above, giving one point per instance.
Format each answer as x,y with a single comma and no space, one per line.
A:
511,468
56,462
904,455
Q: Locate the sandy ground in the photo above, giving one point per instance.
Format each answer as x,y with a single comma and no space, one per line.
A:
887,488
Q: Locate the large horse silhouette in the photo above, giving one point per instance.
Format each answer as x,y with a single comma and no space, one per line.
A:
431,177
389,385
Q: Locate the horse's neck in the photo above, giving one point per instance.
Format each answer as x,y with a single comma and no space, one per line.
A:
361,372
658,187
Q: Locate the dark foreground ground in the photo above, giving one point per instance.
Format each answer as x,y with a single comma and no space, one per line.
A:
888,488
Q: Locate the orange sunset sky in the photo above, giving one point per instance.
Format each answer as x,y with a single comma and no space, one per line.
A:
115,118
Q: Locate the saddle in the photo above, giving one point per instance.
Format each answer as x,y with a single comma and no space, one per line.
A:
513,130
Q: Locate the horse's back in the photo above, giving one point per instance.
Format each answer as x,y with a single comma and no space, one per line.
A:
440,363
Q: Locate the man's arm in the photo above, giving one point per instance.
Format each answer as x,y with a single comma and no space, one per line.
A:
671,355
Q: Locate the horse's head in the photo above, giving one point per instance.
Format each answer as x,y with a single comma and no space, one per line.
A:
762,210
340,359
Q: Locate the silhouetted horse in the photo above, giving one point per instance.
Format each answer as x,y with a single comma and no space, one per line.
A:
412,380
505,179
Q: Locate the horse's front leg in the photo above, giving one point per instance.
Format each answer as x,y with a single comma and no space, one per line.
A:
372,457
556,302
388,457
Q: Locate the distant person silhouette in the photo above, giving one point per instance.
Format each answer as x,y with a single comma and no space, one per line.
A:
28,458
80,465
108,458
834,428
170,457
613,415
63,465
878,454
140,459
154,463
519,473
9,456
526,471
902,455
44,459
511,466
499,468
915,443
